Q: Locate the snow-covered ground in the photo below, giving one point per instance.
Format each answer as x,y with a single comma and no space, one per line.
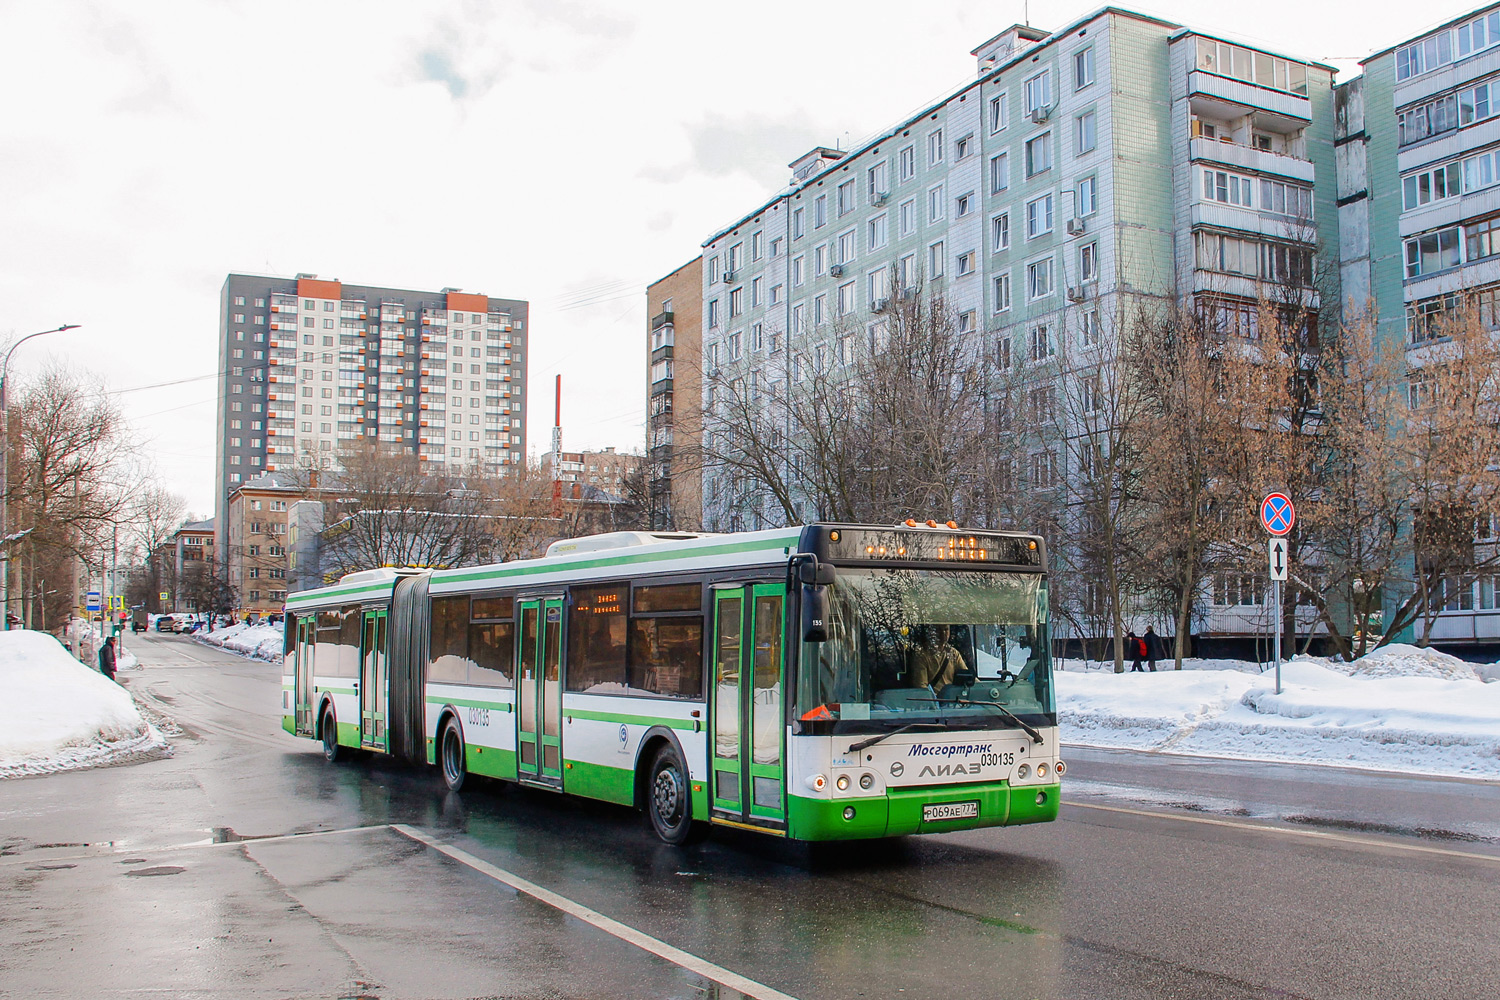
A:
263,642
1399,708
57,714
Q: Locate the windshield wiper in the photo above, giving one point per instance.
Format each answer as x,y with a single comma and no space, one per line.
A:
1035,736
862,744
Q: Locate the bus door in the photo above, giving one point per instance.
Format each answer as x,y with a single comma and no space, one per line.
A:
374,682
539,691
307,637
747,723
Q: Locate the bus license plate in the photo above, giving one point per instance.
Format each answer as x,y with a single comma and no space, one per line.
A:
935,811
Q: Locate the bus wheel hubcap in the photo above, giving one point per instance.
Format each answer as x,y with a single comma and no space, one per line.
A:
667,795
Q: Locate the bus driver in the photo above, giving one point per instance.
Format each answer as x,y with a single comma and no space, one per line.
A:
935,664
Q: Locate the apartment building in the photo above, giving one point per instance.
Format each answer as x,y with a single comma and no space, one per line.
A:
309,366
607,470
1419,189
674,387
1120,159
255,554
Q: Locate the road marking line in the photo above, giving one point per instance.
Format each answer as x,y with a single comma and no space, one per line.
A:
1291,832
624,932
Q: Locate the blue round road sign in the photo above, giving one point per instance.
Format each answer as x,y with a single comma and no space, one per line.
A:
1277,514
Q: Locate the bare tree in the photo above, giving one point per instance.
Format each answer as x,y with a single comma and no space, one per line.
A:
154,514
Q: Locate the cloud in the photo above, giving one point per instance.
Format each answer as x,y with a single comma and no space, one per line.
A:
756,145
436,66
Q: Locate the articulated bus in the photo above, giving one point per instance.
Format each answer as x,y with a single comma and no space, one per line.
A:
832,681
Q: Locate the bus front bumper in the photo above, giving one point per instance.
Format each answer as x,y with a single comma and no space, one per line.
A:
899,812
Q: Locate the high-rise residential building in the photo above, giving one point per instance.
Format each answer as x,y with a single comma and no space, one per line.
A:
308,366
1419,197
1120,157
674,386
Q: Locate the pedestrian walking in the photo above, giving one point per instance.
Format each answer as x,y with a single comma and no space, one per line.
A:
107,658
1154,648
1136,649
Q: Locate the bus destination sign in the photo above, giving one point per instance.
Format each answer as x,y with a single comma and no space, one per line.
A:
916,545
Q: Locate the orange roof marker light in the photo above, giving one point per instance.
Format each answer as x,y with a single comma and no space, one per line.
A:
952,524
932,524
911,522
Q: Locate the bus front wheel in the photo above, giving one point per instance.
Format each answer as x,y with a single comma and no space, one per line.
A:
667,801
454,756
330,731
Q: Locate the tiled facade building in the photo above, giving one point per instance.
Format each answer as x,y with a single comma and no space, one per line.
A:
674,387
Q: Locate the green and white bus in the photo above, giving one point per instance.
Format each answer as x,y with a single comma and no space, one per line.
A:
832,681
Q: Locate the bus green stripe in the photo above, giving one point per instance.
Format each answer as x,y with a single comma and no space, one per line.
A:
503,572
329,690
631,720
468,703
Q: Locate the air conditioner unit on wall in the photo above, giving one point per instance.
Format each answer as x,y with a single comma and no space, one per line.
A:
879,200
1038,115
1077,293
728,277
837,270
1075,227
880,305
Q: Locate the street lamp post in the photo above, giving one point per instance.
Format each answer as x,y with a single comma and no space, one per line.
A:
5,474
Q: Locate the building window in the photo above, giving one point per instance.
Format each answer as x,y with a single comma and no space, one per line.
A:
934,147
757,337
797,271
879,285
1432,117
820,310
966,322
1090,328
1000,232
1039,343
1482,239
999,172
1447,181
1044,469
798,318
907,217
906,271
1088,199
734,347
820,211
1432,252
1426,55
966,263
845,247
713,313
776,246
935,261
935,203
1083,68
1002,352
1039,154
846,198
798,216
1039,279
1228,188
1039,216
1288,199
846,298
876,232
1088,262
1039,91
963,205
757,245
756,293
963,147
877,183
1087,133
820,259
1001,293
997,113
776,295
1258,68
906,163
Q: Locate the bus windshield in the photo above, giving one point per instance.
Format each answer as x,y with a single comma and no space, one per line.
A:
960,648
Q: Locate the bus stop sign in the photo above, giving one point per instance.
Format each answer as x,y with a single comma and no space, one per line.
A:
1277,514
94,602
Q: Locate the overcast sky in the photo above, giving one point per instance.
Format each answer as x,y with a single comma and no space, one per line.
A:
562,152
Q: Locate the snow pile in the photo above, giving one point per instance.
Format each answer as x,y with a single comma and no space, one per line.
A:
262,642
1390,714
57,714
1401,660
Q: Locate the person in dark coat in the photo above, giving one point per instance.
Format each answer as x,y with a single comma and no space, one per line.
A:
1155,650
1135,649
107,658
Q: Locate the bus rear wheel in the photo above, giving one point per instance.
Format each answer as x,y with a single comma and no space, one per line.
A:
453,756
668,804
330,730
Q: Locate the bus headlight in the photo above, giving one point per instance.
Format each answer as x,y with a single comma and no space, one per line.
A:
1023,771
842,783
867,781
817,782
1041,770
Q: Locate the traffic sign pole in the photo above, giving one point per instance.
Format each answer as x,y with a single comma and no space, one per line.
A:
1277,515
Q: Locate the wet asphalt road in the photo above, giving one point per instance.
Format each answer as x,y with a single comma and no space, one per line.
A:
1165,877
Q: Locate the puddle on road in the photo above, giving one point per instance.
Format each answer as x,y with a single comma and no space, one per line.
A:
156,870
48,868
227,835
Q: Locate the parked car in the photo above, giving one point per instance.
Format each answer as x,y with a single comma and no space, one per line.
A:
166,623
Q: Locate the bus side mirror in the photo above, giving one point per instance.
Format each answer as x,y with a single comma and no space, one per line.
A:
812,573
814,614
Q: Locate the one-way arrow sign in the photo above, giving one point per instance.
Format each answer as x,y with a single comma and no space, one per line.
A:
1276,549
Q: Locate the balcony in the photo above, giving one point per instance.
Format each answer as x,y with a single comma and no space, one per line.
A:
660,320
1296,110
1234,154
